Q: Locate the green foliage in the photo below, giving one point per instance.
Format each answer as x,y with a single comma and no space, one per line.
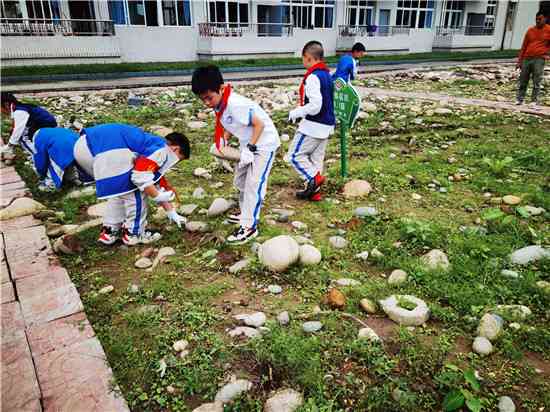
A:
498,167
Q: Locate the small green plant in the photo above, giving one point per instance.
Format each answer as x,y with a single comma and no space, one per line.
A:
464,390
498,167
406,303
419,232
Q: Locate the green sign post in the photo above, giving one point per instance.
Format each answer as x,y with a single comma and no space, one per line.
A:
346,108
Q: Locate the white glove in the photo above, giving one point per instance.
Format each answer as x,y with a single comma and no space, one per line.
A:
247,157
175,218
164,196
294,115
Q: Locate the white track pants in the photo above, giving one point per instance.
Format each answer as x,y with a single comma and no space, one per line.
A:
129,211
251,181
306,154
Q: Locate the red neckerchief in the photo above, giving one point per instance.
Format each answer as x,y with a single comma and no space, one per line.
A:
218,133
317,66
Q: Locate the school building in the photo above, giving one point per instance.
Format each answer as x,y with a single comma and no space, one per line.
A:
37,32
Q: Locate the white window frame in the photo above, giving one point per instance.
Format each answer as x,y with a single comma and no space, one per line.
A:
21,11
358,8
129,20
409,9
490,15
454,17
175,2
312,6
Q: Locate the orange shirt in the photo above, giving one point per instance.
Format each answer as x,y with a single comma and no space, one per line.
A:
536,42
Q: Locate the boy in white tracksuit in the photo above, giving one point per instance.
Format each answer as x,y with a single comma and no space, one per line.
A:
258,139
307,151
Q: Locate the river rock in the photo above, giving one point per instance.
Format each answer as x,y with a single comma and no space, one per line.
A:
22,206
283,318
511,274
299,225
369,107
245,331
161,130
397,277
443,111
368,305
255,320
210,407
363,255
415,317
312,326
335,299
302,240
511,200
309,255
180,345
196,124
368,333
435,259
544,285
279,253
338,242
375,253
219,206
490,326
199,193
357,188
529,254
286,400
143,263
238,266
232,390
506,404
365,211
78,193
344,282
482,346
514,312
67,244
187,210
196,226
274,289
107,289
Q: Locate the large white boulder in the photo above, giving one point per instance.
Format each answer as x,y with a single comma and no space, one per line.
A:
287,400
279,253
357,188
219,206
529,254
309,255
436,259
22,206
406,317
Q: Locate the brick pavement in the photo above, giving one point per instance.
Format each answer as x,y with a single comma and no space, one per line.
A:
51,359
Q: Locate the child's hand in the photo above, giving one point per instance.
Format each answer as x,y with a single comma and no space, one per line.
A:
164,196
247,157
294,115
174,217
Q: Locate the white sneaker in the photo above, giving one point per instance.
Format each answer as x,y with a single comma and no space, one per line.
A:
46,186
145,238
242,235
108,236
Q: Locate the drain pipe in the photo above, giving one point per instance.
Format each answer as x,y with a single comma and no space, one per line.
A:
504,25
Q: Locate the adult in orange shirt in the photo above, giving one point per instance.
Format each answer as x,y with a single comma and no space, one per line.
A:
534,52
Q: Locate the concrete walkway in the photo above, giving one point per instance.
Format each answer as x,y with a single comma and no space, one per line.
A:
543,111
51,359
165,81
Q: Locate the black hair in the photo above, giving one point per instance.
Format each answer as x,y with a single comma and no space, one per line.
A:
314,49
179,139
8,98
206,79
540,13
358,47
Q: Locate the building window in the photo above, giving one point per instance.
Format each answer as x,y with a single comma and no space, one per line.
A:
10,9
454,12
312,14
233,13
42,9
117,11
415,13
176,12
360,12
491,14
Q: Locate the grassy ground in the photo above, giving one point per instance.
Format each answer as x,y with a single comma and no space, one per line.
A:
194,296
143,67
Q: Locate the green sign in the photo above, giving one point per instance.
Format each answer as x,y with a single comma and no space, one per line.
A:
346,109
346,102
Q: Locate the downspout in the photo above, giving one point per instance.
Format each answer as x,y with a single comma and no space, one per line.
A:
504,25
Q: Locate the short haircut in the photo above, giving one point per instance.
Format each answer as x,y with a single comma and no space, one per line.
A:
208,78
540,13
358,47
8,98
179,139
314,49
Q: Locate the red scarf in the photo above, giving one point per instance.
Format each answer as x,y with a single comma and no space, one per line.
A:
316,66
218,133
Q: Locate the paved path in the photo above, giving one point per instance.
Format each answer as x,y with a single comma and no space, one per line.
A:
50,357
543,111
165,81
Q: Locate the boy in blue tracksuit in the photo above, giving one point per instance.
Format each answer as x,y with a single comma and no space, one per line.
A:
53,157
128,166
307,151
27,120
347,65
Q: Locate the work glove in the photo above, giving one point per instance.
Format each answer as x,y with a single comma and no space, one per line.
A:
294,115
174,217
247,157
164,196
